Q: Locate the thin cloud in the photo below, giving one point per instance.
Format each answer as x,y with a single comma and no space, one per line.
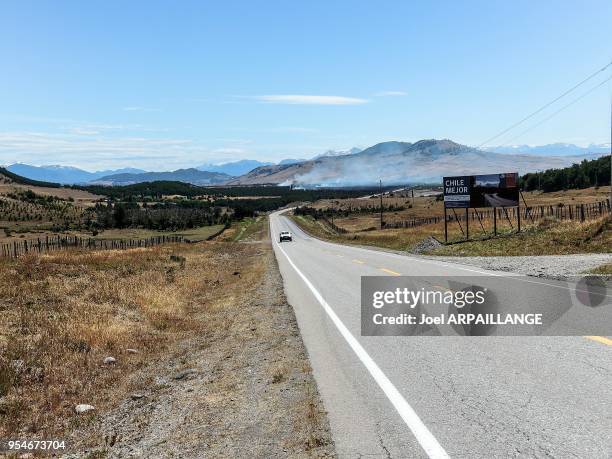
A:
78,149
141,109
83,131
299,99
390,94
108,152
279,129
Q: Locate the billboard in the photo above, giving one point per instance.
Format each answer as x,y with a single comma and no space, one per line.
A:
489,190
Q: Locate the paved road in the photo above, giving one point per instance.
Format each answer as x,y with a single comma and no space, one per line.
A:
439,396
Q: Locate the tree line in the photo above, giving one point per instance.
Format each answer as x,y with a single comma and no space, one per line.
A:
588,173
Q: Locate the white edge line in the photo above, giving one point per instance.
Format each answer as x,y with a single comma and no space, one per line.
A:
425,438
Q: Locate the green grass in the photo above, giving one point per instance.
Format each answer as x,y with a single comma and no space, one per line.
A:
248,227
195,234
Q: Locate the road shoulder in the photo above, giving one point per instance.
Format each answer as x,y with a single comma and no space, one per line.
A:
242,389
560,267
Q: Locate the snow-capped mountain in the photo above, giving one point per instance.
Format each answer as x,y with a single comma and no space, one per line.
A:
553,149
66,175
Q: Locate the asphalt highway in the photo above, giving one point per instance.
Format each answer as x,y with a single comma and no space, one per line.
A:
442,396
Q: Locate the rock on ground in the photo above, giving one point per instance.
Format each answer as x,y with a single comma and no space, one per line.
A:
243,391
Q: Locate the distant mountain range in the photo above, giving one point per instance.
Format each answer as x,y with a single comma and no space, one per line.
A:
350,151
193,176
395,162
235,168
65,175
424,161
284,162
553,149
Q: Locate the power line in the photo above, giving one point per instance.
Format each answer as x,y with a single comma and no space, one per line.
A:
531,115
559,111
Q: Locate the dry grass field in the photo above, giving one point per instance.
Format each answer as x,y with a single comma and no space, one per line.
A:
80,197
65,312
538,238
548,237
428,206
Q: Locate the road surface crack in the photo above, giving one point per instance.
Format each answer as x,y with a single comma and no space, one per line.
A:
382,444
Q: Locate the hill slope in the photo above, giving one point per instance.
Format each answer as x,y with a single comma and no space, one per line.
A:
64,175
193,176
402,162
235,168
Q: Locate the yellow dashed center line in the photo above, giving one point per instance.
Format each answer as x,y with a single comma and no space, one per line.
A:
390,272
600,339
359,262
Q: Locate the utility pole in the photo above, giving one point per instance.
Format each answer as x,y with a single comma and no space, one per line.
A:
381,204
610,207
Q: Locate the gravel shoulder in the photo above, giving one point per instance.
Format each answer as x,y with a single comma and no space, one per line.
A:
560,267
243,390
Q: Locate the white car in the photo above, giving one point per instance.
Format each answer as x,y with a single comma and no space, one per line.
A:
285,236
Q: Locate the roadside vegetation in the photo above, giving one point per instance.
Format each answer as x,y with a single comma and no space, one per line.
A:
96,327
603,269
547,237
194,235
246,229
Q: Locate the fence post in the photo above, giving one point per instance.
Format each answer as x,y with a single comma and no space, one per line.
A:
581,212
495,221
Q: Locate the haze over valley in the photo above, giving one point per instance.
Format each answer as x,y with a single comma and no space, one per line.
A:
425,161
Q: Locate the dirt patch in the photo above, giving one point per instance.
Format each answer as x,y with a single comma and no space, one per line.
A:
243,391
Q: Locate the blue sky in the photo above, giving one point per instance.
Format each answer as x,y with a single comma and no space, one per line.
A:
162,85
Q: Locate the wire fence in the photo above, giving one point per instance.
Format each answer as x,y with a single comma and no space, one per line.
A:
578,212
15,249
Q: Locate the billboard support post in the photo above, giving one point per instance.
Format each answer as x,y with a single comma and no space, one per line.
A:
381,205
528,210
445,226
480,221
458,222
508,218
487,190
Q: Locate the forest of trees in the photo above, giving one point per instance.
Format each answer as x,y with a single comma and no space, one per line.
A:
595,172
155,190
162,216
